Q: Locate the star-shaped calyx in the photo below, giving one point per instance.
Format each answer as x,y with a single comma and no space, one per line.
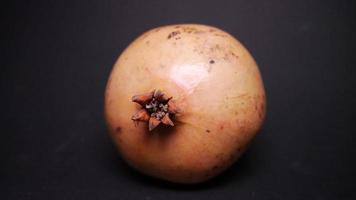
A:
156,108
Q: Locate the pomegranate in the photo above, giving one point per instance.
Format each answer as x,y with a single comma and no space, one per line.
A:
183,102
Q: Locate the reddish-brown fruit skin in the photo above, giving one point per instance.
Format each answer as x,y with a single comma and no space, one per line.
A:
216,86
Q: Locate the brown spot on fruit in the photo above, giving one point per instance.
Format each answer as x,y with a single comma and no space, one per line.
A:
189,29
234,55
220,35
172,34
262,106
221,127
199,32
118,129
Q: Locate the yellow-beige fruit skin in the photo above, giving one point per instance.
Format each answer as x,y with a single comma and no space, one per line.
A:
215,82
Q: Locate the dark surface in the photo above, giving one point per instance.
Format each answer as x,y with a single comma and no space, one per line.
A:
56,57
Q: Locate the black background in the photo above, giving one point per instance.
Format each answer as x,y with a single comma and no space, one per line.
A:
56,57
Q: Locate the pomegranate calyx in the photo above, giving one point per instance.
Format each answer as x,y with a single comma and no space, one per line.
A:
156,108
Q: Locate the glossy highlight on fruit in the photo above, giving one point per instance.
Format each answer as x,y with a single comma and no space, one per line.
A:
214,82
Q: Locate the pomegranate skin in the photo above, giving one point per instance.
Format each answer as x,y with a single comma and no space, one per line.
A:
214,81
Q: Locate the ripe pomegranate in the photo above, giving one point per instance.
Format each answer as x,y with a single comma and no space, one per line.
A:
183,102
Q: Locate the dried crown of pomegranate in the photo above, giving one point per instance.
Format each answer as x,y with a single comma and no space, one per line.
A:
156,108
